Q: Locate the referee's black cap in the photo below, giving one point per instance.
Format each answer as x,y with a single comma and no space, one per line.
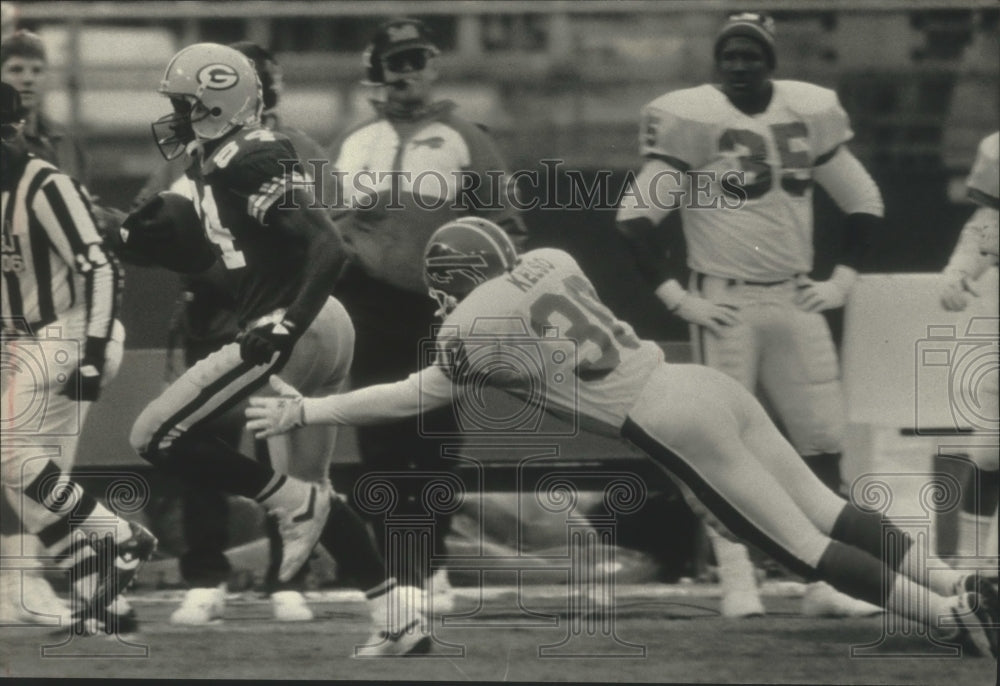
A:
11,110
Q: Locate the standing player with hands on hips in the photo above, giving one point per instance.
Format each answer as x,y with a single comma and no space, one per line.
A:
282,259
975,252
739,159
696,422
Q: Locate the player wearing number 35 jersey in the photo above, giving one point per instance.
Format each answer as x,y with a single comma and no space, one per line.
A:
739,160
535,327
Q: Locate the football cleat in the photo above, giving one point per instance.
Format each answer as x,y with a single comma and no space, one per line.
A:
742,603
290,606
440,593
27,598
201,606
300,530
400,628
978,624
983,583
120,562
106,621
823,600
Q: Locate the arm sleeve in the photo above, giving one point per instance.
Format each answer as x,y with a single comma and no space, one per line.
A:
984,178
967,258
325,257
425,390
264,175
678,140
849,184
658,189
67,221
650,196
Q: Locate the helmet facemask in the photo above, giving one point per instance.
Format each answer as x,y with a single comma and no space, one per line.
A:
174,132
446,302
214,90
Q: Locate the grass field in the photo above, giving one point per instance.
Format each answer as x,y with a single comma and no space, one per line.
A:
664,634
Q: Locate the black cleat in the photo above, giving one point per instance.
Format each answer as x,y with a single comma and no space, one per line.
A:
978,624
120,562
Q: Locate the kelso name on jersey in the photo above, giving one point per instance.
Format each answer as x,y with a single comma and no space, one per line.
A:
529,272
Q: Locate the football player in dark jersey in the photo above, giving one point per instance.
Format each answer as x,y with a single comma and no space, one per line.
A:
204,320
281,259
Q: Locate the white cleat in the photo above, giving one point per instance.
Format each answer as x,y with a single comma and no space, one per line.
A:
400,627
201,606
301,529
440,593
290,606
744,603
823,600
28,599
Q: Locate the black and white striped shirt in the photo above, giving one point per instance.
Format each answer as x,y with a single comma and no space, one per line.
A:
52,254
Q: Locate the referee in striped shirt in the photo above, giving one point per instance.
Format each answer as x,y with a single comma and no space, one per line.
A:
60,342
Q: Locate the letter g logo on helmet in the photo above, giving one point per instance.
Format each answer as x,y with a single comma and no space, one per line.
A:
217,76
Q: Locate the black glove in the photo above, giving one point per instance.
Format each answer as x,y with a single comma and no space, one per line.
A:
84,382
259,344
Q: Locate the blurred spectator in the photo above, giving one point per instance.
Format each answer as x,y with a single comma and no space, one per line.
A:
382,286
24,65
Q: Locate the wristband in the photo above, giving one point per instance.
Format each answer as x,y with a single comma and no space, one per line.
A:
93,352
671,294
843,276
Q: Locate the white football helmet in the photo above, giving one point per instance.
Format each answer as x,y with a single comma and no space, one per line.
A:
214,90
463,254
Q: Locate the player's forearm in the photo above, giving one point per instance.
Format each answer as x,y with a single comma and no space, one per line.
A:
101,298
656,191
967,258
638,233
856,246
374,404
325,257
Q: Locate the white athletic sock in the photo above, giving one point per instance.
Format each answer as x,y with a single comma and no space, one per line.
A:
736,572
291,495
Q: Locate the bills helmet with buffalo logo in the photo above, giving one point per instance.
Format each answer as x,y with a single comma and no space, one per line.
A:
463,254
214,90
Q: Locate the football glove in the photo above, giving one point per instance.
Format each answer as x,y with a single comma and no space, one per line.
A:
816,296
272,416
955,291
259,344
697,310
84,382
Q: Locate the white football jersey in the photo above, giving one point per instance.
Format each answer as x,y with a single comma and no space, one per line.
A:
541,333
984,179
747,213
